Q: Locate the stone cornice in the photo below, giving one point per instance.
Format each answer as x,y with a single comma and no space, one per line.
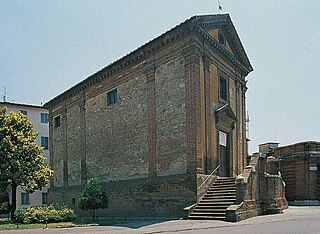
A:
222,51
132,58
137,56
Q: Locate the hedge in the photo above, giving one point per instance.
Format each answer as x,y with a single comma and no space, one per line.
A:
53,213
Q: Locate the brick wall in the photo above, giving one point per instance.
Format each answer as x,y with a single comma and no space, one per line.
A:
171,118
157,196
118,133
299,166
160,126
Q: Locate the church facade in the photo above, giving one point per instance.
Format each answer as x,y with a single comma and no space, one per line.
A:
153,121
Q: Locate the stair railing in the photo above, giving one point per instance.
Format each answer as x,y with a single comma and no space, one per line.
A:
189,209
214,171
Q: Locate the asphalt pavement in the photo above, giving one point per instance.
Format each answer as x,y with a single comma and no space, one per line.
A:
296,219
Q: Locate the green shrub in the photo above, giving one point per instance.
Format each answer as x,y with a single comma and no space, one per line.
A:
19,214
4,206
50,214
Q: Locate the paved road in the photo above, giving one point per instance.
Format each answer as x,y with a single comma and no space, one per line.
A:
293,220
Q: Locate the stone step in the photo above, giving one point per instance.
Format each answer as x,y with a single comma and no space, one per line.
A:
208,214
223,185
226,178
207,217
218,200
213,207
215,210
219,188
224,182
209,196
215,204
222,192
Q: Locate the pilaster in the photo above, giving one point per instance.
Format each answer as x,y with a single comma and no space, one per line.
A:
193,118
65,145
51,145
152,134
83,156
208,159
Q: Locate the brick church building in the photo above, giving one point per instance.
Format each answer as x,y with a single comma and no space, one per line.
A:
151,123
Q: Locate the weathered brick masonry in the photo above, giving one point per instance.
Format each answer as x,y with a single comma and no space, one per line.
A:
300,168
163,130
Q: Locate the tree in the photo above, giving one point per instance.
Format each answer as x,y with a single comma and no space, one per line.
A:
21,159
93,197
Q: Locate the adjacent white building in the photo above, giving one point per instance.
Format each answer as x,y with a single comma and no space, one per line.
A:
39,117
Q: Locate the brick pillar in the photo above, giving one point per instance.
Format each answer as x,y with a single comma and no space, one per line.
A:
83,156
207,114
237,133
65,145
152,135
272,166
193,118
51,144
244,137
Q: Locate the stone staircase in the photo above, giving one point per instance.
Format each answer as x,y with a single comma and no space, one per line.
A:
217,199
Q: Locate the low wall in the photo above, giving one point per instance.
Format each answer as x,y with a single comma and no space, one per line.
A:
150,197
258,192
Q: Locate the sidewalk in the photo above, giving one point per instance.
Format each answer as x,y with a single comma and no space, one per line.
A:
199,226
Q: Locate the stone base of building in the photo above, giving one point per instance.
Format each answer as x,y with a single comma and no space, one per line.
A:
164,196
304,203
260,190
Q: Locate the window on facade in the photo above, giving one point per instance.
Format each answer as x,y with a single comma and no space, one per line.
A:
223,87
25,198
44,118
112,97
44,198
45,142
57,121
221,38
24,112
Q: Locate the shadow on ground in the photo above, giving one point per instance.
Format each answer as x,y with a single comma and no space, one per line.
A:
138,223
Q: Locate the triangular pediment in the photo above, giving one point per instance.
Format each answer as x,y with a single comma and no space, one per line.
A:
213,25
226,112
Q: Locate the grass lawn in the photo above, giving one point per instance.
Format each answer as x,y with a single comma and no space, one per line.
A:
6,224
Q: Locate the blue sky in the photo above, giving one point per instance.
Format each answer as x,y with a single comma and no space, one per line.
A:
48,46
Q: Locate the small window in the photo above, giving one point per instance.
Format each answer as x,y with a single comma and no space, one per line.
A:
57,121
112,97
25,198
45,142
73,201
44,198
44,118
24,112
221,38
223,89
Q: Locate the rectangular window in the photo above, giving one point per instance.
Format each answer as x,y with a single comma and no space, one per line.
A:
44,118
44,198
223,86
45,142
112,97
57,121
24,112
25,198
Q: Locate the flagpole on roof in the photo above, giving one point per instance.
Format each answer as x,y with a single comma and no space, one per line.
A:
219,7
